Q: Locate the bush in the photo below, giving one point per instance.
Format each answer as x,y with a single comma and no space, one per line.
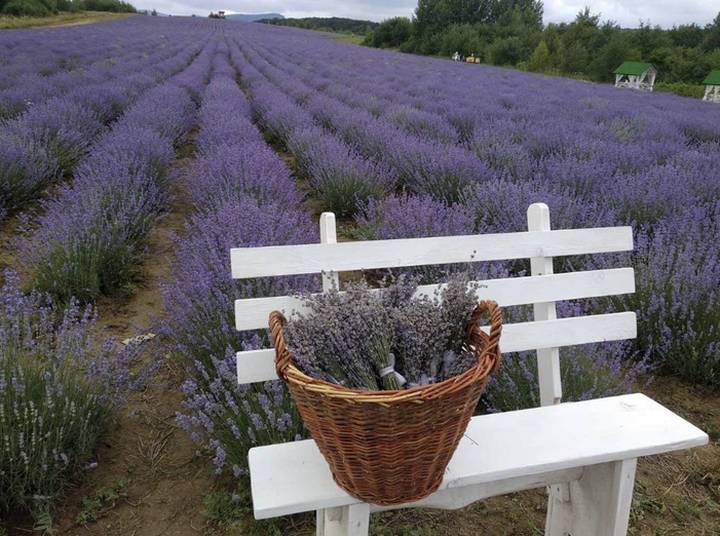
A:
64,127
414,217
462,38
587,371
340,177
26,8
58,388
26,169
677,298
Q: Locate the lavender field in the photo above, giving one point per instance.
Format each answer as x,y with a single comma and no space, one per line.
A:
241,134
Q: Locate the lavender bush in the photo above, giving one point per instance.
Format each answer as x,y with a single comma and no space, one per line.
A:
26,168
58,387
338,176
587,372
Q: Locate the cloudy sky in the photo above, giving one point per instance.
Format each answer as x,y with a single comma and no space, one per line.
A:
627,13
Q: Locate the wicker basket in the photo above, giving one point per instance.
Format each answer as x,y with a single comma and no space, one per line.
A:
391,447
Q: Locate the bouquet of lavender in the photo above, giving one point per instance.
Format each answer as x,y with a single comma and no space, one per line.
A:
391,337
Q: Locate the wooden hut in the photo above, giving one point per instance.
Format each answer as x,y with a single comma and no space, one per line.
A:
636,75
712,86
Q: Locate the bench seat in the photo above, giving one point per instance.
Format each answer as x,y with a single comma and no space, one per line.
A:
499,453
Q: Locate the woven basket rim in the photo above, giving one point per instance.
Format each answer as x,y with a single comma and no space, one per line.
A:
488,360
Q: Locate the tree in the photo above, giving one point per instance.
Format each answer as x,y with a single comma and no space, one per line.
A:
686,35
617,50
391,32
507,51
712,39
540,61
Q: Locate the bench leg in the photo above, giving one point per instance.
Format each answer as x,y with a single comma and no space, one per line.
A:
598,503
351,520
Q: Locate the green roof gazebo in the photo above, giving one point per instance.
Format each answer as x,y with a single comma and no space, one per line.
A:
636,75
712,86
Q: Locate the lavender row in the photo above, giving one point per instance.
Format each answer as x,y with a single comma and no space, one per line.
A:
47,141
28,90
244,195
89,240
419,165
78,57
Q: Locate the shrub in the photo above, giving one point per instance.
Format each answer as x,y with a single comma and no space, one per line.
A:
440,171
234,171
695,91
421,124
414,216
340,177
58,388
506,51
64,127
199,302
587,371
677,298
26,169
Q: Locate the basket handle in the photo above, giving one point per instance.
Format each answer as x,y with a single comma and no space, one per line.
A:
282,354
493,310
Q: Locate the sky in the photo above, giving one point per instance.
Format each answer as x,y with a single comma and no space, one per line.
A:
627,13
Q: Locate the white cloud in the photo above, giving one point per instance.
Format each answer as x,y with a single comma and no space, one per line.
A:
627,13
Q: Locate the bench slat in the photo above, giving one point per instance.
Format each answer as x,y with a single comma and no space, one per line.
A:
372,254
253,313
293,477
258,365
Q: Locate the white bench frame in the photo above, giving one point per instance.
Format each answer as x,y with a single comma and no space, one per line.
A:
590,485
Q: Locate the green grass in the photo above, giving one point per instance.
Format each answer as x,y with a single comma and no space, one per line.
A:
353,39
695,91
61,19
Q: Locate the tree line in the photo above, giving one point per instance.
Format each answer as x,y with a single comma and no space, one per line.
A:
326,24
44,8
511,33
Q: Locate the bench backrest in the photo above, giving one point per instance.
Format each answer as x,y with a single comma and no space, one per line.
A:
542,288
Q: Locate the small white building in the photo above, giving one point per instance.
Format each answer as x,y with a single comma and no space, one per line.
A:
636,75
712,86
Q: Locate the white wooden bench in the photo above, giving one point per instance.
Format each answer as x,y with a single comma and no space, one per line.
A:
584,452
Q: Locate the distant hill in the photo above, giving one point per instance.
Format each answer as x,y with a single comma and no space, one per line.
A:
326,24
252,17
